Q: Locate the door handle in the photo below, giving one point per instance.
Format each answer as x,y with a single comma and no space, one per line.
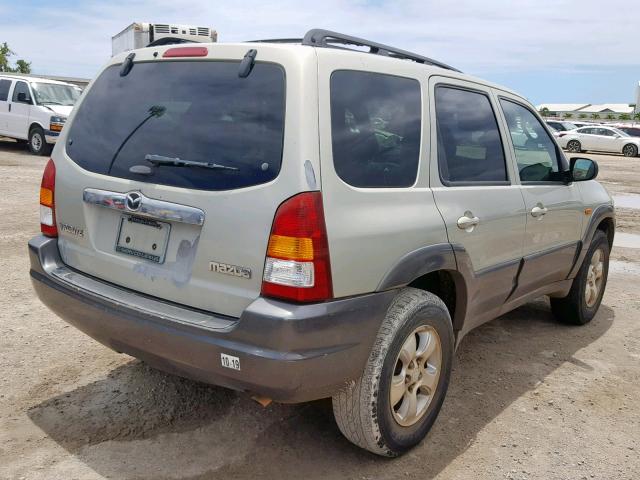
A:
537,211
9,107
468,222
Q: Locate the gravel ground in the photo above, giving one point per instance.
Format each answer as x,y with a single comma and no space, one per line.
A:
529,398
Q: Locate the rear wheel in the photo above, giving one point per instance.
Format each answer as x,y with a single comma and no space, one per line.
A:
37,143
392,406
630,150
574,146
585,296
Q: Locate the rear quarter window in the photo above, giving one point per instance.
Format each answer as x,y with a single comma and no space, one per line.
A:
375,128
199,111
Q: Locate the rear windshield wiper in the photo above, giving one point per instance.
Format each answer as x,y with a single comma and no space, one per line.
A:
178,162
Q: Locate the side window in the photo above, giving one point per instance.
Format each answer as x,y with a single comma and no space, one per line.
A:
21,87
536,153
4,90
375,128
605,132
469,144
586,131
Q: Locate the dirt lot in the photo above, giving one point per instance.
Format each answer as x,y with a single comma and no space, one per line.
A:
529,398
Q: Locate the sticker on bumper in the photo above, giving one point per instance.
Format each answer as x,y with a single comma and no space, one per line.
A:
229,361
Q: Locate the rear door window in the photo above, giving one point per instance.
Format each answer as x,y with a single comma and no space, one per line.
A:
375,128
470,149
192,111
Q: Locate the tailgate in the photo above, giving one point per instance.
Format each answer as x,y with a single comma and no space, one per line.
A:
193,226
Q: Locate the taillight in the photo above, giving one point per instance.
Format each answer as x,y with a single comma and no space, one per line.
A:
561,134
47,201
297,266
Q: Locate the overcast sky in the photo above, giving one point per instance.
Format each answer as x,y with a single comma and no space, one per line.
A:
548,50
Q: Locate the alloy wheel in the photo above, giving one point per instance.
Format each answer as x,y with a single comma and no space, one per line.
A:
415,376
595,277
629,151
573,146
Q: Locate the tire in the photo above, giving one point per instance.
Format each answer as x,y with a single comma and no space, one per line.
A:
37,143
630,150
574,146
363,409
579,307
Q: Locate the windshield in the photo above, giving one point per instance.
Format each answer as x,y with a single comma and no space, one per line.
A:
569,125
55,94
193,114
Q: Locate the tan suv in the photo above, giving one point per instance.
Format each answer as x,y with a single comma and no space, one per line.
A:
301,221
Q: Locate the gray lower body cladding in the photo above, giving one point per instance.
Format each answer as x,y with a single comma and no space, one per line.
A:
290,353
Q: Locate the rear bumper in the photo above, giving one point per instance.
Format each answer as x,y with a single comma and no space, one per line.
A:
290,353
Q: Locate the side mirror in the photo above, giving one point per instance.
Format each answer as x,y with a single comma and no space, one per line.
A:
583,169
22,98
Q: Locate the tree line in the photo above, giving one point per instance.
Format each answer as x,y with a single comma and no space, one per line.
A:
594,116
21,65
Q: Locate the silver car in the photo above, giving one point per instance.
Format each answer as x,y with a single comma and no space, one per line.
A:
300,221
600,139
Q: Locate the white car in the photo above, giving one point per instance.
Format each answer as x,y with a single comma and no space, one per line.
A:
599,139
561,125
34,110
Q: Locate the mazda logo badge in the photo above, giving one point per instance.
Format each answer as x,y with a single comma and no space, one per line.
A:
134,199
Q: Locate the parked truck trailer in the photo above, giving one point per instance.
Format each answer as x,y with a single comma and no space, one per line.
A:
141,34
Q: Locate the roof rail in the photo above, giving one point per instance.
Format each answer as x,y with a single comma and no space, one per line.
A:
277,40
325,38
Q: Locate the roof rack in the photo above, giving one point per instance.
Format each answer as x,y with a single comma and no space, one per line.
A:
277,40
318,37
325,38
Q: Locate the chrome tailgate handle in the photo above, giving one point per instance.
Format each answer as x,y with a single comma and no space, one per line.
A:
138,204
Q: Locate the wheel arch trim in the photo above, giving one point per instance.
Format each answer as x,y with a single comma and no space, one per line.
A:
440,257
600,214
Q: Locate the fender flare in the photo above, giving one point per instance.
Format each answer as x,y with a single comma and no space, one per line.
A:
600,213
433,258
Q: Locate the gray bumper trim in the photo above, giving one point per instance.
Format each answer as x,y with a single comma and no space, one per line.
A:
291,353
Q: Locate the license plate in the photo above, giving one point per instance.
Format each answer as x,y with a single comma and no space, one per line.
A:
143,238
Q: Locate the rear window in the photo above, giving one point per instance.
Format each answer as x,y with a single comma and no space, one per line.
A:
193,111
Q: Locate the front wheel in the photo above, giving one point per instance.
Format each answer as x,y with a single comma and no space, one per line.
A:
574,146
630,150
37,142
585,296
392,406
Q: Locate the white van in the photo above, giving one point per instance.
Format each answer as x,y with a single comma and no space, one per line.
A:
34,110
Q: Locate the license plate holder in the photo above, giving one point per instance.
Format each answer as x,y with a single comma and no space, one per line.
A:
143,238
